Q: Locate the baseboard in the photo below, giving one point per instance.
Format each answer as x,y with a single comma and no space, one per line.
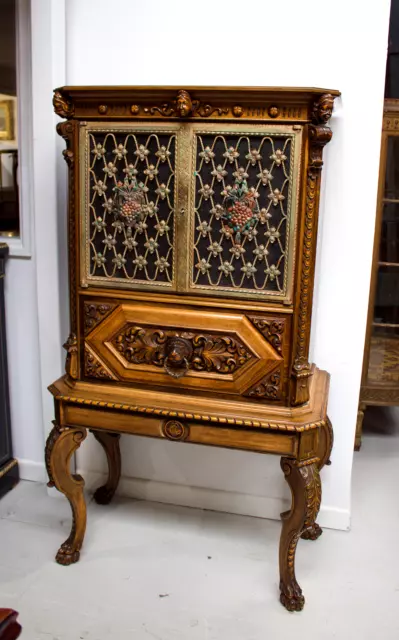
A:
212,499
31,470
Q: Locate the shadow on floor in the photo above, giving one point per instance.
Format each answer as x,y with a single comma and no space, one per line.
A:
381,421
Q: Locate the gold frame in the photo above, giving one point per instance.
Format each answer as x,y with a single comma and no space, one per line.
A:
184,199
86,278
9,132
186,270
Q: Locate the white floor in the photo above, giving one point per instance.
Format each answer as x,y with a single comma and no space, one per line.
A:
153,571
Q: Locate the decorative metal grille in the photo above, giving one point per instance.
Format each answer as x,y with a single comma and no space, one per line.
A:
242,211
131,205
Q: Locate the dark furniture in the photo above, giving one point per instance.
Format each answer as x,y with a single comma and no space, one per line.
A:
8,465
192,238
380,376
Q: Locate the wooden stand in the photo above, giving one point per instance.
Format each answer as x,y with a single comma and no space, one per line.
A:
302,436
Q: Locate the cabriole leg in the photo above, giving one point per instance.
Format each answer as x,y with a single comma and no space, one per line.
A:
110,443
304,481
61,445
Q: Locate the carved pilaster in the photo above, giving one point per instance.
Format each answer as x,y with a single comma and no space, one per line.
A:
71,362
319,136
67,131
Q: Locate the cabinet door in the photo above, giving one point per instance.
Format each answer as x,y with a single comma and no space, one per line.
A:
129,198
241,213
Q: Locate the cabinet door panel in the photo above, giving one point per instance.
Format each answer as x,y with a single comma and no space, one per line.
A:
242,210
129,198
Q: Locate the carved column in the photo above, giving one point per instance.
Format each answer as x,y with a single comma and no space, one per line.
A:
67,131
319,136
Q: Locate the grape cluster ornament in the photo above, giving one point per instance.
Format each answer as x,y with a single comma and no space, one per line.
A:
129,201
239,209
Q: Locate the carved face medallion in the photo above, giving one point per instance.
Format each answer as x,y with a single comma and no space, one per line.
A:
184,104
239,206
129,201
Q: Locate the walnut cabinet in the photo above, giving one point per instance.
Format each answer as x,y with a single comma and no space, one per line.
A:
192,233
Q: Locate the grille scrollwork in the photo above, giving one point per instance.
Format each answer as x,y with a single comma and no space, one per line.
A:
242,202
131,206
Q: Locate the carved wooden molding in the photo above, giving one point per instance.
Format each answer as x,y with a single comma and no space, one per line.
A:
184,106
272,330
221,103
226,421
148,345
383,395
94,313
269,388
94,368
311,477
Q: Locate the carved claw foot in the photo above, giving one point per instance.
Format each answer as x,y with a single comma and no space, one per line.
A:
67,554
291,597
312,533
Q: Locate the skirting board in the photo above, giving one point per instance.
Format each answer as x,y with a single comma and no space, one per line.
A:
212,499
31,470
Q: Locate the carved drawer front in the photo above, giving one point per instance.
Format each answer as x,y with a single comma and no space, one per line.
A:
129,196
243,201
179,347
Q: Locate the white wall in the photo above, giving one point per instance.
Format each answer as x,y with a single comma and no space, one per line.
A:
313,43
340,45
35,285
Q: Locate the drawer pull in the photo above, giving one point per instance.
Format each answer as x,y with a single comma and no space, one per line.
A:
178,354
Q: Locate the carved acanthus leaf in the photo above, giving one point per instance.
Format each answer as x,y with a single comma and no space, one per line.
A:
147,345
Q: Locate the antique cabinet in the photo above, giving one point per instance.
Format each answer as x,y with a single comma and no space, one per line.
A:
9,474
192,234
380,376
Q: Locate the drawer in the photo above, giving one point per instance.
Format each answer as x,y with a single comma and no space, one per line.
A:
184,431
181,347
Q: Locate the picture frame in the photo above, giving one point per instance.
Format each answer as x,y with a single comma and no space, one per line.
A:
6,120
